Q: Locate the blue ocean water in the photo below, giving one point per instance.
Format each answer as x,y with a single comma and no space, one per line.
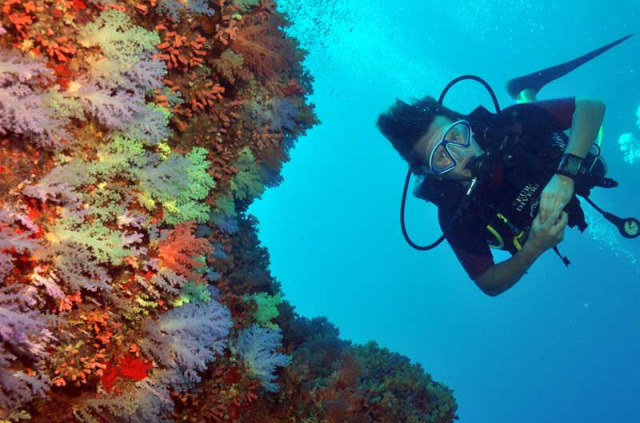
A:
560,346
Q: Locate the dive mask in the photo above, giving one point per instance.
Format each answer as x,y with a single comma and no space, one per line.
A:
451,149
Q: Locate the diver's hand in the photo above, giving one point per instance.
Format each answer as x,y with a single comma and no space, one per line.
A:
543,236
555,196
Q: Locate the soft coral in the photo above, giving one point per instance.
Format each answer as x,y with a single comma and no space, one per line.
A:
180,249
262,43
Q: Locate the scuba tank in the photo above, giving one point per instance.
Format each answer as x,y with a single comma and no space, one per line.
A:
523,89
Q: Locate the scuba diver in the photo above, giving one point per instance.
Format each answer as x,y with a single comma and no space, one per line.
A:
507,180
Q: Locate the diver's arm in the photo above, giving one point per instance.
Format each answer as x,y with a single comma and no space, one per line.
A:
502,276
542,236
586,122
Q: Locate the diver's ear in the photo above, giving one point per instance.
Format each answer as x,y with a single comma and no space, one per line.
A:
420,170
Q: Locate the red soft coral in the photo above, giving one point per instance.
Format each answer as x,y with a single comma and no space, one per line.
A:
129,367
134,368
179,250
264,46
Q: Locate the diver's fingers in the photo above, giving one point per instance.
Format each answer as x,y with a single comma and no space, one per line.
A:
553,218
538,220
546,207
561,223
543,212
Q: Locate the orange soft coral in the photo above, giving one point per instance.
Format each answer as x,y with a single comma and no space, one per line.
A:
20,14
205,97
181,52
179,250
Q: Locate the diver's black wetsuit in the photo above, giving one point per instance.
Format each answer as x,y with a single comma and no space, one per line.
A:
515,188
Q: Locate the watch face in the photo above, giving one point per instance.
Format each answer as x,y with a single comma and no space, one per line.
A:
573,164
570,164
631,227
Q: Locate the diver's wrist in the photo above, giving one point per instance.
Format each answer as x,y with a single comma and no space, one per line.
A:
532,250
565,179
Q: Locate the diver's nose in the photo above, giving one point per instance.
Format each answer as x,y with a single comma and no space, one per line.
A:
458,152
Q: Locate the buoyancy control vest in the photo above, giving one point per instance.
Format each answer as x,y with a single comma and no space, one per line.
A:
452,198
508,203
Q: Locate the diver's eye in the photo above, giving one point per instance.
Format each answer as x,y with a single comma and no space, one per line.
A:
458,134
452,135
455,136
440,157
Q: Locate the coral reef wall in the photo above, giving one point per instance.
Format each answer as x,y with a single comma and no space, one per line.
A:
133,288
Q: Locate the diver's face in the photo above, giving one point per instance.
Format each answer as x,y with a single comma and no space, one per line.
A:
461,155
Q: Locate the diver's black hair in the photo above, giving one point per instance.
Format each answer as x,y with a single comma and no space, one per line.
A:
405,123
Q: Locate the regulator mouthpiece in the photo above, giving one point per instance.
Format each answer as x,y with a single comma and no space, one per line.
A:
482,166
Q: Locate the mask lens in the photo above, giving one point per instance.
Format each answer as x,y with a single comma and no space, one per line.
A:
441,160
459,133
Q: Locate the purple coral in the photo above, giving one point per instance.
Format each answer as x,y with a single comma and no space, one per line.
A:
278,114
143,76
227,224
23,334
173,8
188,337
77,268
22,104
257,345
284,114
114,109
